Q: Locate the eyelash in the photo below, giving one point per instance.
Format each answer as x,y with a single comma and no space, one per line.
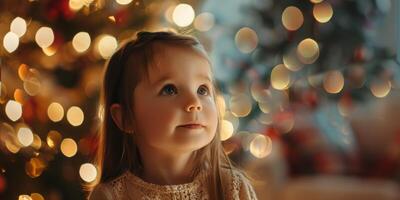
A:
169,86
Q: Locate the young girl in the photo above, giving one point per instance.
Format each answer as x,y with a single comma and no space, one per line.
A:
160,134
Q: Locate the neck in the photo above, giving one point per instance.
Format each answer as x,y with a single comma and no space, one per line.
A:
163,168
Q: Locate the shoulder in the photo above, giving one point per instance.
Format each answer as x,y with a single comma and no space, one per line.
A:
109,190
102,191
240,185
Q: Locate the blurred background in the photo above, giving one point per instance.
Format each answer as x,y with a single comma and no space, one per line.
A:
310,90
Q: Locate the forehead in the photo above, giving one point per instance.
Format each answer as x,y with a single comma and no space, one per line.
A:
178,61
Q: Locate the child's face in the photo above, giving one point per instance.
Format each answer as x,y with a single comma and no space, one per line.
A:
179,92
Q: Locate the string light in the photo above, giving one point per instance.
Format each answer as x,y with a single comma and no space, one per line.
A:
260,146
183,15
18,26
69,147
13,110
280,77
123,2
323,12
240,105
88,172
226,130
246,40
204,22
292,18
44,37
10,42
81,42
55,112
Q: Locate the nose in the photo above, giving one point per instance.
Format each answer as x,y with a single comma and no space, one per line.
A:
193,104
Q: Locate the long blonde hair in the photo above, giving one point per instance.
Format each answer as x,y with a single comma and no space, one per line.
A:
117,151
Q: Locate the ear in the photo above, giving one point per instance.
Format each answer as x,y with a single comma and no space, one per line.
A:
116,114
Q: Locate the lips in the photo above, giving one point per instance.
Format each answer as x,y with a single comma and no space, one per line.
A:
192,126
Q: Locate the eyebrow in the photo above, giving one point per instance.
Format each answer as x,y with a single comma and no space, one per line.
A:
166,78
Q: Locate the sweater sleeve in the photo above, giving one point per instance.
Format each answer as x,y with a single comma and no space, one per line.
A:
246,190
101,192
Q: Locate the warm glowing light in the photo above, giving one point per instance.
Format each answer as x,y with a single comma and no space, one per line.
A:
246,40
81,42
32,86
88,172
291,61
316,1
69,147
49,51
55,112
37,196
123,2
261,146
107,46
10,42
226,130
23,71
53,139
380,88
37,142
280,77
18,26
221,105
24,197
308,51
292,18
34,167
75,116
240,105
204,22
183,15
333,82
76,5
25,136
13,110
323,12
44,37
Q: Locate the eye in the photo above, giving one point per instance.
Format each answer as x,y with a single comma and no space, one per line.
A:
169,90
203,90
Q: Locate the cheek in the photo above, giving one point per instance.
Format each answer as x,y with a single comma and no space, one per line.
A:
212,116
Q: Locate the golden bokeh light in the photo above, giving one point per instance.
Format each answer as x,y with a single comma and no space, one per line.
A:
380,88
24,197
183,15
53,139
18,26
44,37
81,42
19,96
204,22
76,5
32,86
75,116
49,51
292,18
55,112
23,71
316,1
107,46
240,105
123,2
246,40
291,61
13,110
229,116
25,136
333,81
88,172
37,142
280,77
323,12
37,196
260,146
10,42
308,51
35,167
226,130
265,118
69,147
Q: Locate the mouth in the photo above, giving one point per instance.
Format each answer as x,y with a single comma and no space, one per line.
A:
192,126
